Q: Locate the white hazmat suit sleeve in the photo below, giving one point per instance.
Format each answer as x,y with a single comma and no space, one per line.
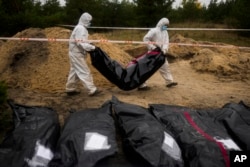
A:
81,34
149,38
165,43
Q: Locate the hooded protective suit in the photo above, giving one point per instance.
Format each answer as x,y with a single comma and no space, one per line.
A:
159,35
77,54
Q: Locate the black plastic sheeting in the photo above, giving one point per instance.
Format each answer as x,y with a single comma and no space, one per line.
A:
87,137
236,119
126,135
204,142
143,137
35,131
136,73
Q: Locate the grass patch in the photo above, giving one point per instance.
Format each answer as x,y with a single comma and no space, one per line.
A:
5,112
228,37
5,120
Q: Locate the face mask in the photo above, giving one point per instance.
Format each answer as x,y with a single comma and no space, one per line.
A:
163,28
86,23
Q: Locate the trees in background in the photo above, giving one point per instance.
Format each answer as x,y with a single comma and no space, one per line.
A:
240,12
147,13
190,10
16,15
104,12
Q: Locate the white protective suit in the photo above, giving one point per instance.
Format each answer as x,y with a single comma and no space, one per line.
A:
161,38
77,55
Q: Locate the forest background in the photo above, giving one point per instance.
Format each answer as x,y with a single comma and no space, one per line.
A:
17,15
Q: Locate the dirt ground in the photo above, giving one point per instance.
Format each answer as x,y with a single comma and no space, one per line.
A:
36,73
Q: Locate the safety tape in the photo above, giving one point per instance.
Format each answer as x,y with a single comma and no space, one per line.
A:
176,29
118,41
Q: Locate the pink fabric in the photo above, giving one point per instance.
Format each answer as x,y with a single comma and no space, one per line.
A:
208,137
140,57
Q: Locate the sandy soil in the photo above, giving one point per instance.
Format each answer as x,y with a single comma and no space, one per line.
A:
36,74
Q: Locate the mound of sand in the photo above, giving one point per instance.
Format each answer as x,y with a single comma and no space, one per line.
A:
182,51
227,63
44,66
223,61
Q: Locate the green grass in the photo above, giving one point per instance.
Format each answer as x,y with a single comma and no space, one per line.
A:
5,120
228,37
5,113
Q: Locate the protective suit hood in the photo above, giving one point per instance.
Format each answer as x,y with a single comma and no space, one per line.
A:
163,21
85,19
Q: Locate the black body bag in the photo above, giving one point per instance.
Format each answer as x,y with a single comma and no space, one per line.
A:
33,138
198,135
88,137
136,73
145,142
236,119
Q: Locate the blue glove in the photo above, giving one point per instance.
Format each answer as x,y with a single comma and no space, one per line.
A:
163,28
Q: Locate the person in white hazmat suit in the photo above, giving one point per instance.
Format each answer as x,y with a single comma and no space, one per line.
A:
77,54
159,36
